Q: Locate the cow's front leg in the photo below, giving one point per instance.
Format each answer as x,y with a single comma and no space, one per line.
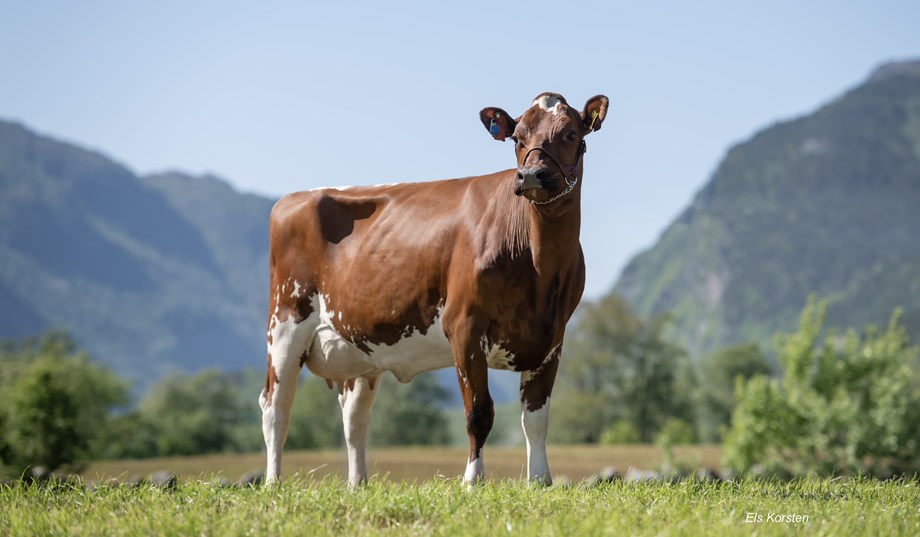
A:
536,388
473,375
357,399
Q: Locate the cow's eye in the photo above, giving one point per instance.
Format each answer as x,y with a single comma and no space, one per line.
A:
570,136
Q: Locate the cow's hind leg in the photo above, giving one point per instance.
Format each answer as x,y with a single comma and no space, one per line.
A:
357,399
536,388
287,342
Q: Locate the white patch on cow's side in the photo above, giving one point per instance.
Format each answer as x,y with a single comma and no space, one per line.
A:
535,424
474,470
548,103
497,356
296,292
334,357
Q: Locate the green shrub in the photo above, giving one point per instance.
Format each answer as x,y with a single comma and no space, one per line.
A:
55,404
846,405
674,432
619,432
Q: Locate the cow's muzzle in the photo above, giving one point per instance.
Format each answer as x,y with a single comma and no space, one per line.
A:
532,178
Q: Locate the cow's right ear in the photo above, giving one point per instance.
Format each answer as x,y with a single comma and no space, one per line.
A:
497,122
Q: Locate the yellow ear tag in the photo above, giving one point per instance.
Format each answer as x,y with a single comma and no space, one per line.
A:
593,119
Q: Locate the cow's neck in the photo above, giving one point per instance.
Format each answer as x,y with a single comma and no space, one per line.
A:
554,235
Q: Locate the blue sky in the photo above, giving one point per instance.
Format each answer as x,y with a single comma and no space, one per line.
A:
283,96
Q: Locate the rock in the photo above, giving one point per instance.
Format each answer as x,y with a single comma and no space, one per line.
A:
637,476
252,479
164,480
135,481
222,482
705,473
111,483
562,482
37,474
610,474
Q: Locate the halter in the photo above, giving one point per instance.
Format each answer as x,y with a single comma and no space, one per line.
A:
582,149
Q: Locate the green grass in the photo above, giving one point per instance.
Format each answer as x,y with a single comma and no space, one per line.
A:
444,507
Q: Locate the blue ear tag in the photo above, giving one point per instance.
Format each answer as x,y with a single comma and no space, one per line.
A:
494,129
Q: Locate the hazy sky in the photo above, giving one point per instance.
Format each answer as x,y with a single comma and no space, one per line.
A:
282,96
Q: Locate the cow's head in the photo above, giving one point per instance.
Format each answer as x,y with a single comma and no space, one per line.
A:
549,143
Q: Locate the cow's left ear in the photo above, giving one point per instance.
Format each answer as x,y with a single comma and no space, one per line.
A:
497,122
594,113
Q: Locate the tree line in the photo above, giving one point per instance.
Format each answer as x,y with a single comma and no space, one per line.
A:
824,403
60,409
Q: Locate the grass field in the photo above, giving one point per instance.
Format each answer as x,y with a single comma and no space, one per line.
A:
444,507
414,464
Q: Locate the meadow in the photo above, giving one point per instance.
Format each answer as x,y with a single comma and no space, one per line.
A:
413,464
416,492
439,506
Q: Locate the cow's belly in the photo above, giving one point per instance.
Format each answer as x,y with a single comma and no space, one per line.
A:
334,357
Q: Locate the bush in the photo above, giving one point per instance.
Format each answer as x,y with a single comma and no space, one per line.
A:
618,366
410,414
675,432
849,405
196,414
619,432
55,404
716,390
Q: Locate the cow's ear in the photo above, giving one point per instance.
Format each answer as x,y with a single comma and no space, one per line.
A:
497,122
594,113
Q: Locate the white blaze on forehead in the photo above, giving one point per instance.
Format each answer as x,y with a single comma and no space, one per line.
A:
548,103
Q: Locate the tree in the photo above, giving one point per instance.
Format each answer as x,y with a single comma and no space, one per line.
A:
410,414
403,414
55,404
195,414
845,405
717,386
316,419
618,366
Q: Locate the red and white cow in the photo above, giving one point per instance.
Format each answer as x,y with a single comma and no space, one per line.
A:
476,273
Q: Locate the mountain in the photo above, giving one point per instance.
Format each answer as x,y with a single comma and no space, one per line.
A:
149,274
828,203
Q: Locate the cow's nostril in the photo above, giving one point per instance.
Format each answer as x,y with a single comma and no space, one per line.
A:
541,175
520,176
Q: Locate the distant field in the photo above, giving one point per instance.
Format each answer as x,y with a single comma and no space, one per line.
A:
414,464
444,507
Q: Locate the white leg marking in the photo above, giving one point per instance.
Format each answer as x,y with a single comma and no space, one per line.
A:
474,470
356,417
289,341
535,425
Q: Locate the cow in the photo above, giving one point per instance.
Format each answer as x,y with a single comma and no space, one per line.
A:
476,273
